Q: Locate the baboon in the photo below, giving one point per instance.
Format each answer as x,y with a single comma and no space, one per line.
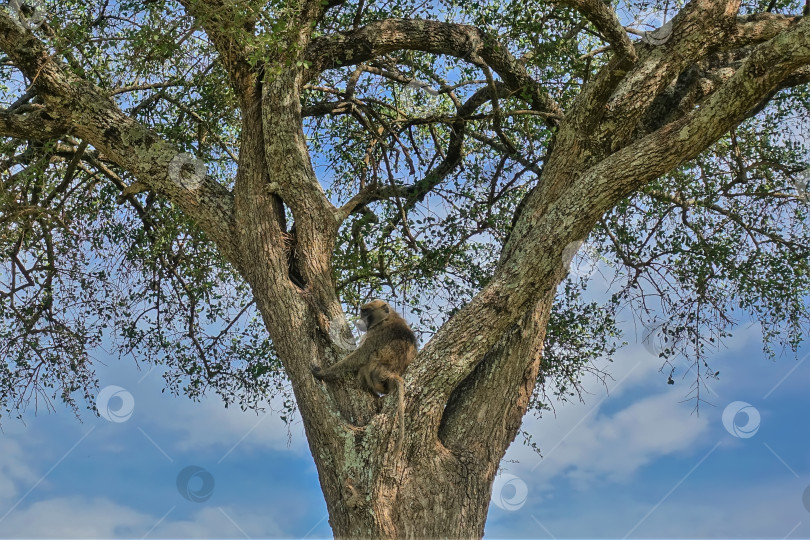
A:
386,349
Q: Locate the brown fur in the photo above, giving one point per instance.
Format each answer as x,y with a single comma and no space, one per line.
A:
387,348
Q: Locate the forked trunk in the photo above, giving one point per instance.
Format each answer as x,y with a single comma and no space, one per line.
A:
440,486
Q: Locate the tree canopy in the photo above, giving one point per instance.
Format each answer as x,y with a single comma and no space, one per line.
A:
722,237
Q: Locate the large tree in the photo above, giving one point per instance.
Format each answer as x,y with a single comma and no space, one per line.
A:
212,184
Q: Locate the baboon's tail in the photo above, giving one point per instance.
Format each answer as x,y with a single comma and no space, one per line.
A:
400,414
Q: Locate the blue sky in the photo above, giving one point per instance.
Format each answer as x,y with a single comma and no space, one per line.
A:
635,461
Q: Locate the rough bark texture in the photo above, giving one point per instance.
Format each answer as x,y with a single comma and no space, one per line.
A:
469,387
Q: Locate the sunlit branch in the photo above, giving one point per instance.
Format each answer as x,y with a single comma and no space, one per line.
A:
465,42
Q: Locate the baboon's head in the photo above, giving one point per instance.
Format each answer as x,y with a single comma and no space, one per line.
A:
372,314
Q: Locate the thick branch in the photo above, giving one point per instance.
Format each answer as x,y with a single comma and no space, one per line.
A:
771,65
514,363
524,276
758,28
461,41
696,30
32,123
606,115
93,116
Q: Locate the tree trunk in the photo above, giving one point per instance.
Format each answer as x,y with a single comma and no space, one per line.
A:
440,485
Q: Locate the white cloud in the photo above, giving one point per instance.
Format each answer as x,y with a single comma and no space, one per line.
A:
755,511
74,517
583,442
85,517
600,448
210,424
13,470
614,446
